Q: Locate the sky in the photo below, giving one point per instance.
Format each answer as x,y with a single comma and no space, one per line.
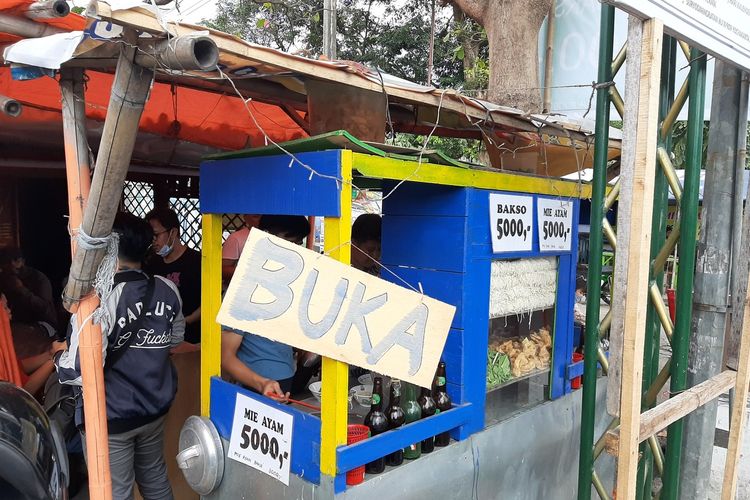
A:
191,11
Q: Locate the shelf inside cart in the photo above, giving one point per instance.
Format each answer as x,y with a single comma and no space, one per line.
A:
515,380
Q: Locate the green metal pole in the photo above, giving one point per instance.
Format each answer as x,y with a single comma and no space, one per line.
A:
687,250
658,238
593,295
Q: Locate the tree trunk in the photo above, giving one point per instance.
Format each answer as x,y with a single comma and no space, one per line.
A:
513,33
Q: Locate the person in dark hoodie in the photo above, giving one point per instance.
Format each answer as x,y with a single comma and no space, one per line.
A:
143,322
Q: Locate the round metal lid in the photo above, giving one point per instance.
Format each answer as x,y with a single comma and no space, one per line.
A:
201,456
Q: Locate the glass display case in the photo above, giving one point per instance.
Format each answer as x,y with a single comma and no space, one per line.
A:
520,337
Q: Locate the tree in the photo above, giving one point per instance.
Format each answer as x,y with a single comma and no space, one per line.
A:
512,28
372,32
287,26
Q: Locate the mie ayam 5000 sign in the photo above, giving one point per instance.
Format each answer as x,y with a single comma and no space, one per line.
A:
293,295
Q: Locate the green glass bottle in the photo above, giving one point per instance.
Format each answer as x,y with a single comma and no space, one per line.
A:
412,413
395,416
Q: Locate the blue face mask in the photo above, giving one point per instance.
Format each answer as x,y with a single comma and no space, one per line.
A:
165,249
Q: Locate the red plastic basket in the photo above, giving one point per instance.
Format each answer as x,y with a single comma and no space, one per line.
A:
356,433
576,382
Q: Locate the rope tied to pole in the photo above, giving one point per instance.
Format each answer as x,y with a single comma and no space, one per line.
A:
105,274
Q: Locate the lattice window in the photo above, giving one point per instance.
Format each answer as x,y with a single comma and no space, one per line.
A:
138,198
231,223
189,214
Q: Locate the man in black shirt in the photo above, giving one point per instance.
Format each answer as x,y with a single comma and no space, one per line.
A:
179,264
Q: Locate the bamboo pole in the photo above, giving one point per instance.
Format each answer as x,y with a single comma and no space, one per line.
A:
25,28
48,9
10,106
187,52
90,346
76,144
129,94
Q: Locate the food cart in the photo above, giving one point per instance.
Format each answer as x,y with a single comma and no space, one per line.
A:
500,247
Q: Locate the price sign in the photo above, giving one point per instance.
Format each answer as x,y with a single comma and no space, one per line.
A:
555,220
511,222
261,437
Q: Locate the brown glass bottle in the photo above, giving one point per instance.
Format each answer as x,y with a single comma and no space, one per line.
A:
427,405
442,402
377,422
396,419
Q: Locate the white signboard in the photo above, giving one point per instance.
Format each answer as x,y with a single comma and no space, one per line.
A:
555,220
720,27
261,437
511,222
290,294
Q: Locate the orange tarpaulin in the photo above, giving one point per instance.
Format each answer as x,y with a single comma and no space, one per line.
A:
215,120
9,370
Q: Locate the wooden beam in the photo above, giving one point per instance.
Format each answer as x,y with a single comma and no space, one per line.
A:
742,387
661,416
634,234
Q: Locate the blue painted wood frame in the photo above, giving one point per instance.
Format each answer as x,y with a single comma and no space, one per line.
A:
481,249
354,455
455,268
272,185
305,459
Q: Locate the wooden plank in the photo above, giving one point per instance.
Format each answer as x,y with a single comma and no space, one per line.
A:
660,417
739,413
617,310
331,107
210,302
644,39
377,167
263,185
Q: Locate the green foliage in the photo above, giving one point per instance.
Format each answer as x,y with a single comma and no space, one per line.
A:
459,149
478,77
679,144
379,34
376,33
78,10
285,26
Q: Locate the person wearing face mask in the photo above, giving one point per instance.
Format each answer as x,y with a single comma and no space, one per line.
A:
179,264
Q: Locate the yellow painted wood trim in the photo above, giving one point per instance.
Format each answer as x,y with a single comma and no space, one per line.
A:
210,303
388,168
335,374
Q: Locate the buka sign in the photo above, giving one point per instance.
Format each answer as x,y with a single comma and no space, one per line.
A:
287,293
